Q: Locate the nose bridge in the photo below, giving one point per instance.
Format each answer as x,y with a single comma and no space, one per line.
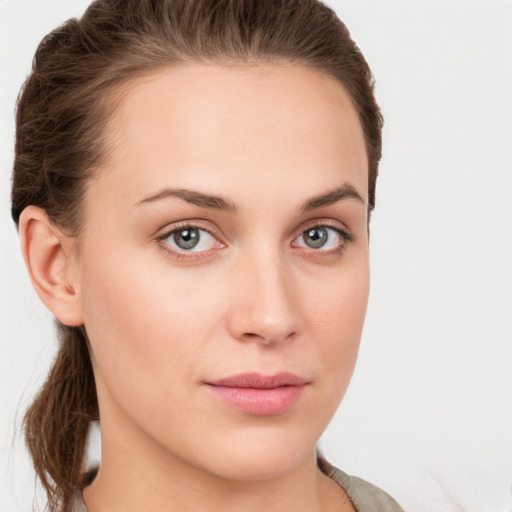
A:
264,305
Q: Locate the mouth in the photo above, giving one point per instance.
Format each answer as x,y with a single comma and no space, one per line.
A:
258,394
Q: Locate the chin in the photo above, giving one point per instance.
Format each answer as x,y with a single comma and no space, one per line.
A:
258,455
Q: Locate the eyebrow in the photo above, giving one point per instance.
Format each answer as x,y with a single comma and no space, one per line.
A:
346,191
201,199
193,197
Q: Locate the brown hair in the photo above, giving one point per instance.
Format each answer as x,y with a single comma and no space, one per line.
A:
62,112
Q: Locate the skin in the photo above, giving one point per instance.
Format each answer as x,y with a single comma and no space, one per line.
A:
252,297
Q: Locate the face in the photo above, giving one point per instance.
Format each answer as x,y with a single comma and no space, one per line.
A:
223,267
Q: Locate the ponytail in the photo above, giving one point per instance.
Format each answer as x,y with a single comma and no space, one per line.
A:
57,422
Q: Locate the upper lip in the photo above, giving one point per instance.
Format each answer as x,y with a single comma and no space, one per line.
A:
260,381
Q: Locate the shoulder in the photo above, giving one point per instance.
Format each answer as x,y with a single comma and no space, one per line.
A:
365,497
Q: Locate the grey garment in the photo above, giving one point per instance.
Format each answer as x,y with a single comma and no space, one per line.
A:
364,496
79,505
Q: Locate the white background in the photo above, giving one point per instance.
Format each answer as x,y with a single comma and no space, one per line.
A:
428,415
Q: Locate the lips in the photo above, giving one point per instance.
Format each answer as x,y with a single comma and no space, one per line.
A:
258,394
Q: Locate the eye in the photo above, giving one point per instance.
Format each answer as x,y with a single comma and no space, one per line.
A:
189,239
321,237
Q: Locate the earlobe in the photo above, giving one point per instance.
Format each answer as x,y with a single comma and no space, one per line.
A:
48,260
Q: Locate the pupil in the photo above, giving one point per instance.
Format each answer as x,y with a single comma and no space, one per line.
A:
315,238
186,238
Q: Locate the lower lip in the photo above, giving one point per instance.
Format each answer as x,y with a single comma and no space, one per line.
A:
261,402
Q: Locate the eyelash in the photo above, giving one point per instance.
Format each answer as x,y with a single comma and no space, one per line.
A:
183,254
344,234
345,237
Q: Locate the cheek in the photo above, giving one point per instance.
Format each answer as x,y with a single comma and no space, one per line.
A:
142,322
333,311
336,317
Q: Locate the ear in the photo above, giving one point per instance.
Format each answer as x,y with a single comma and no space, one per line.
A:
51,264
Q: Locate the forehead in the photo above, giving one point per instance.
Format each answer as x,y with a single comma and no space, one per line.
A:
214,125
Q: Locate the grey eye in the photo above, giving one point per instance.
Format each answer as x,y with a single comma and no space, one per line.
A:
316,237
190,239
323,238
186,239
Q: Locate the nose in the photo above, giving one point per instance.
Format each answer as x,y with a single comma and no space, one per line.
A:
264,303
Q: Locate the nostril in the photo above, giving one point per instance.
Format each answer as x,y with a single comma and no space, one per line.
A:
268,339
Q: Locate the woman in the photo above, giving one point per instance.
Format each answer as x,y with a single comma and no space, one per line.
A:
192,183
